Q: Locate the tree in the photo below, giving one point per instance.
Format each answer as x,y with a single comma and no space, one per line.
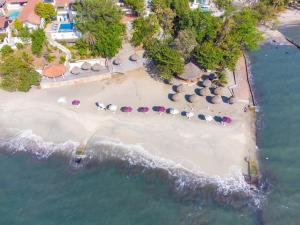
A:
144,29
45,10
17,75
185,43
167,60
18,25
37,41
136,5
208,55
100,23
6,50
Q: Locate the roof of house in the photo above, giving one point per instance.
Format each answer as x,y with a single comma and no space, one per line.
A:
63,2
3,22
28,13
16,1
56,70
191,72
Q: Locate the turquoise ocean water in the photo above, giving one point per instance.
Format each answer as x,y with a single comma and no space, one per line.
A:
49,191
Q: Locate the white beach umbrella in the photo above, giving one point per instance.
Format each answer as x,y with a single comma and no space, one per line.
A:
101,106
174,112
62,100
112,107
209,118
189,115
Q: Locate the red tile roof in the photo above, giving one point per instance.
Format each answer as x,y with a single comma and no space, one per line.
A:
63,2
28,13
54,71
2,22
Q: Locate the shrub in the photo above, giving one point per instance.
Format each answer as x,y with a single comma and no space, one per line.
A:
38,39
2,37
19,45
62,59
17,75
27,57
49,58
6,50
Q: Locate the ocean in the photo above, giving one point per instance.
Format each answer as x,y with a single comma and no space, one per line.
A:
46,191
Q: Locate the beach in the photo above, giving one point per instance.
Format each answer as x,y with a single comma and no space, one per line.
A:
203,148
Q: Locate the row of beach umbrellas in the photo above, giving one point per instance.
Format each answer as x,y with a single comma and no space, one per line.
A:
87,66
159,109
144,109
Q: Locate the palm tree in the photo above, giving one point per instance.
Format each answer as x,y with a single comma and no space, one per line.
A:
89,38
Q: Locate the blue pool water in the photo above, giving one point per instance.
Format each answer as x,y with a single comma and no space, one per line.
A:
66,27
14,15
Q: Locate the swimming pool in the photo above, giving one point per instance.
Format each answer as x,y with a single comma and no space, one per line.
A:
66,27
13,15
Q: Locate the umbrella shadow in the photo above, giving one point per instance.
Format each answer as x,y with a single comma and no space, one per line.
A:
183,113
197,91
174,88
209,99
97,104
225,99
187,97
212,76
169,110
218,119
201,117
123,109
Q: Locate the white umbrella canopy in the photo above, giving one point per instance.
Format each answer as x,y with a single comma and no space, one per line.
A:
174,112
101,106
189,115
62,100
112,107
209,118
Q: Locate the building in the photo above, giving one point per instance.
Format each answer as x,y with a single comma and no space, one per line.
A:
3,24
64,11
28,16
205,5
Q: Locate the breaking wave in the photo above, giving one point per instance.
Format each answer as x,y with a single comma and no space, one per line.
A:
104,149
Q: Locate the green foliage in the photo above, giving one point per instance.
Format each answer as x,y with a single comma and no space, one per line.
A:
45,10
18,25
19,45
24,33
6,50
102,20
2,36
62,59
208,55
136,5
144,29
49,58
185,43
38,39
26,57
17,75
167,60
222,78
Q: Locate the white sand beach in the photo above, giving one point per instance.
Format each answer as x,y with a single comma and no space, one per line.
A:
198,146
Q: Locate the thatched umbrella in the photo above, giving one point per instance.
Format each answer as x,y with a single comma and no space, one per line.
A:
96,67
86,66
232,100
207,83
205,91
193,98
219,91
117,61
75,70
134,57
216,99
176,97
180,88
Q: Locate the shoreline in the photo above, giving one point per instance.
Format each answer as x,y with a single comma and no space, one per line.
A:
197,151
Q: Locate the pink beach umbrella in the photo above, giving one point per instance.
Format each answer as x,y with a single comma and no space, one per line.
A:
126,109
161,109
76,102
143,109
226,119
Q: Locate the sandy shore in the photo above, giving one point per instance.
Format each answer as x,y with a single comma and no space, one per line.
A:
201,147
289,16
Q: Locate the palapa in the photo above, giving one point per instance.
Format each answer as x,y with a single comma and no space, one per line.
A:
194,98
134,57
216,99
219,91
75,70
207,83
117,61
96,67
180,88
86,66
232,100
176,97
205,91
